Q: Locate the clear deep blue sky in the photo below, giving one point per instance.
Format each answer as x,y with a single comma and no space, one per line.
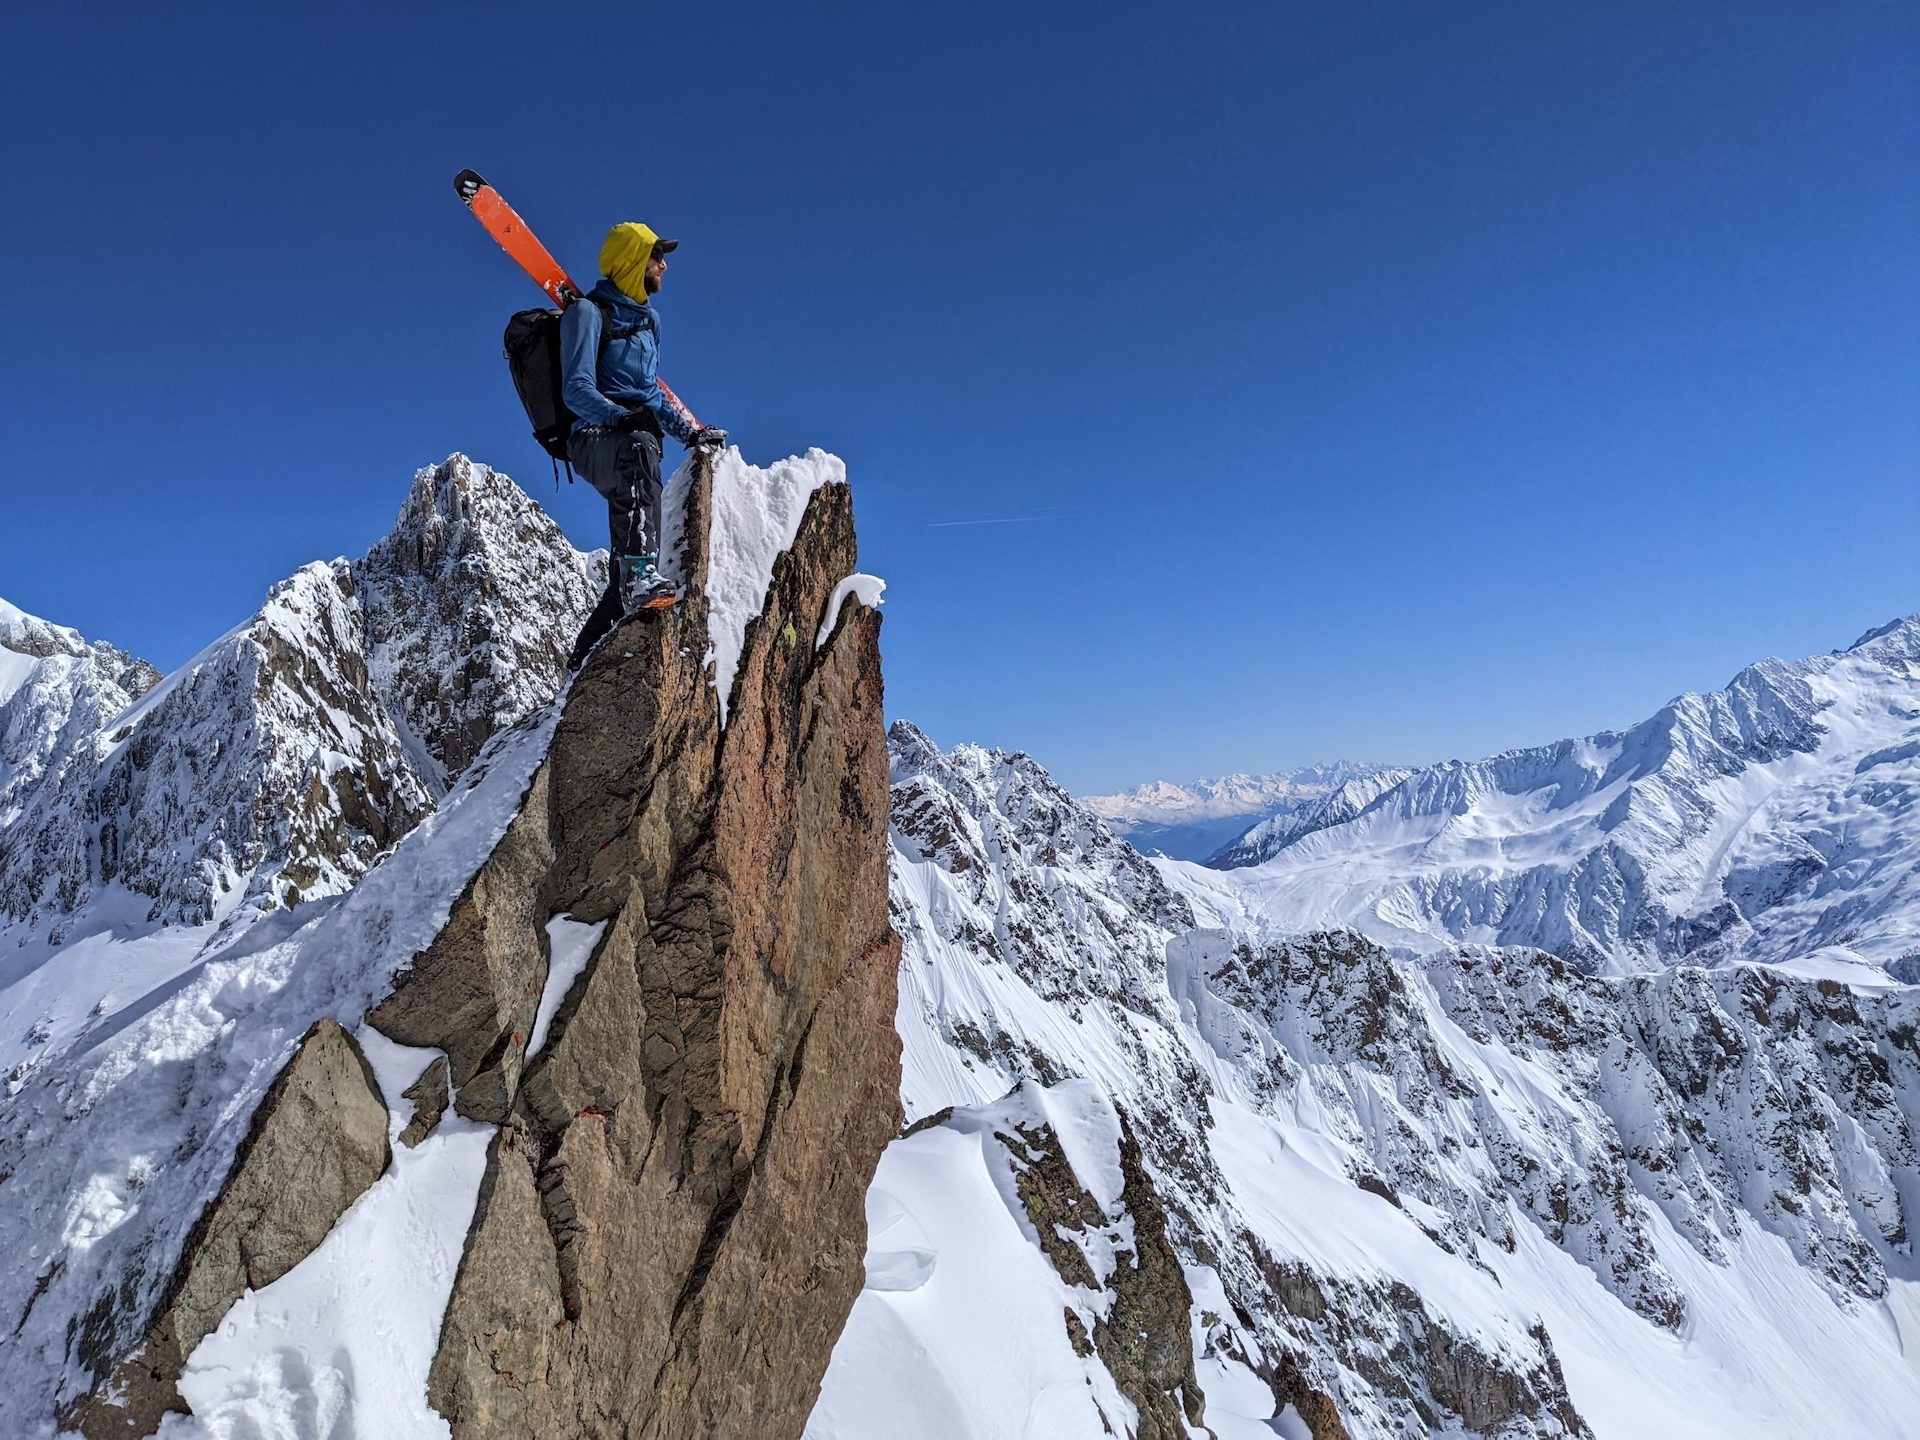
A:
1382,381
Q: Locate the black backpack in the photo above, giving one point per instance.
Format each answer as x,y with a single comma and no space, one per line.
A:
533,358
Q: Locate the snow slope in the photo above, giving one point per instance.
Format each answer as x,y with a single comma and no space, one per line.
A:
1465,1191
1765,821
115,1145
165,1012
1453,1187
275,766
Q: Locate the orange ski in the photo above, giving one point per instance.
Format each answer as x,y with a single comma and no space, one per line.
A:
505,225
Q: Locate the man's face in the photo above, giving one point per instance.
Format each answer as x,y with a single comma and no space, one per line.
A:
656,268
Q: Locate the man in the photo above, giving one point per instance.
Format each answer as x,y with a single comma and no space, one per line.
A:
610,348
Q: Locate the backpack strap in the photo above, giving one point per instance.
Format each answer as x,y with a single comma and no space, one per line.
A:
609,330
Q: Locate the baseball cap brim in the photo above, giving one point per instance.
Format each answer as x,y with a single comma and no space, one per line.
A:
661,247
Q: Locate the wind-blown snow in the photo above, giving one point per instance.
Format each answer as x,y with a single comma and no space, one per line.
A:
756,514
867,589
1698,1184
957,1334
14,670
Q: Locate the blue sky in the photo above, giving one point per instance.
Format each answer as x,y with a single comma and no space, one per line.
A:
1379,381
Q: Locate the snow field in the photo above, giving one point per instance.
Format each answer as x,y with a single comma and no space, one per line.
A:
959,1333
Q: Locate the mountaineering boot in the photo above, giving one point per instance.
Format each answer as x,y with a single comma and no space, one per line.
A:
642,586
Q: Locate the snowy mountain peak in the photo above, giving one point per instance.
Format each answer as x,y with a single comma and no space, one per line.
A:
471,603
1765,820
1471,1192
30,637
1224,796
58,692
1903,636
280,761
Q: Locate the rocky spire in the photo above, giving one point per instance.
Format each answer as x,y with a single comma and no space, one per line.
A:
666,987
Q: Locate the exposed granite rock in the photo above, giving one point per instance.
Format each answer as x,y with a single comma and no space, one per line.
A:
1144,1338
671,1227
429,1095
318,1140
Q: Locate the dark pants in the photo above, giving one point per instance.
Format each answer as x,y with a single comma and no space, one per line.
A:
624,466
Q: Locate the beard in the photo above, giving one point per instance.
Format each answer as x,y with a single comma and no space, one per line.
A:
652,283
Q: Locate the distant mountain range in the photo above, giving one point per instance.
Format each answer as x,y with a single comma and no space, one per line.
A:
1194,820
1770,820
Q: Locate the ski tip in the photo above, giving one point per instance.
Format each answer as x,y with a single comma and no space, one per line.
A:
468,184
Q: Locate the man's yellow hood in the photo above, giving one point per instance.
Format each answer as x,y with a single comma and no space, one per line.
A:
623,257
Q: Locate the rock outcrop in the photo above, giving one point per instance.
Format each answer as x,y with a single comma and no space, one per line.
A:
670,1230
317,1141
689,1103
471,603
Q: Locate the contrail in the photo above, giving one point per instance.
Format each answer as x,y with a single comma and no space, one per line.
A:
1003,520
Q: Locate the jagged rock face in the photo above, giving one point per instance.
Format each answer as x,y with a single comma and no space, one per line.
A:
57,693
472,602
269,766
670,1228
1484,1101
685,1113
1763,821
1056,894
280,762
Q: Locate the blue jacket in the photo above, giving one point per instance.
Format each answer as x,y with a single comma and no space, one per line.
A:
603,385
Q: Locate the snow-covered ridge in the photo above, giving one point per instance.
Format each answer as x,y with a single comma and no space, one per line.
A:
1222,797
1477,1192
1767,820
1338,805
108,1153
58,692
275,766
287,792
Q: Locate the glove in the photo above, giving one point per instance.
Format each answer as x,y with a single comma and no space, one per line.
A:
708,437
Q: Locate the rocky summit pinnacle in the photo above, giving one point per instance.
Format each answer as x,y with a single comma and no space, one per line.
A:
601,1060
